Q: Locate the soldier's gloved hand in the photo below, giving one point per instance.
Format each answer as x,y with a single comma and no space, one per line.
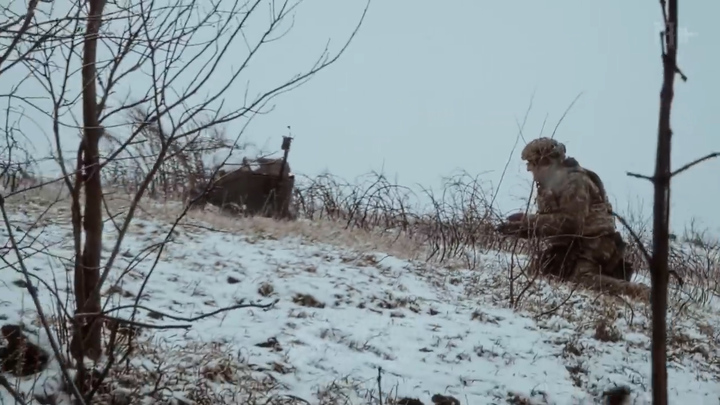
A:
518,216
509,228
512,225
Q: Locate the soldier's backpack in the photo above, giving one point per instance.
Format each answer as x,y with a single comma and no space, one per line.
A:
573,164
619,266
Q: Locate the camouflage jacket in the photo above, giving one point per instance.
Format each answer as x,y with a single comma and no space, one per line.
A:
572,204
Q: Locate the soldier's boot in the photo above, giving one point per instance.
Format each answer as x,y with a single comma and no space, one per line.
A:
618,266
622,270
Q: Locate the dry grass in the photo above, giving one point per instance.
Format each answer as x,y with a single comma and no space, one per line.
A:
377,216
374,215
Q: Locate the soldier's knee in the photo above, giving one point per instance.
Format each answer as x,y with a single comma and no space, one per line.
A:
585,267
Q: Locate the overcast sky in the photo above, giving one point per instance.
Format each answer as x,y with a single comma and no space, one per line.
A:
428,87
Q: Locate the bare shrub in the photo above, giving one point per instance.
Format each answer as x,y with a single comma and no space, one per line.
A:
452,222
693,258
184,164
152,140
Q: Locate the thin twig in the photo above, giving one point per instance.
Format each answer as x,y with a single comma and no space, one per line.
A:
643,250
16,395
567,110
640,176
379,381
174,317
695,162
36,301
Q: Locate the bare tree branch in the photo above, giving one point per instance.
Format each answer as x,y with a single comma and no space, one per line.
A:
694,163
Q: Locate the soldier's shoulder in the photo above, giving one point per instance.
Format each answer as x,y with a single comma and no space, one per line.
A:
576,174
577,178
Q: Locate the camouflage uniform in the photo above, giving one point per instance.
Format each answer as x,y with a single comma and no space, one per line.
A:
574,220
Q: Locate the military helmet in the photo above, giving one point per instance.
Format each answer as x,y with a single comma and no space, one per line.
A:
542,149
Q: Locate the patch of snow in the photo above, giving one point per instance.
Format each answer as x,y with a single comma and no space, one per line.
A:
424,329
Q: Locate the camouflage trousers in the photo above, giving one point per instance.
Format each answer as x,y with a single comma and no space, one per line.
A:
596,262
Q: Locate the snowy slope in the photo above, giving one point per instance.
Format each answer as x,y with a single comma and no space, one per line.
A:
344,315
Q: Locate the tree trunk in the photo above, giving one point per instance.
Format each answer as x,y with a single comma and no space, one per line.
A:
88,273
661,211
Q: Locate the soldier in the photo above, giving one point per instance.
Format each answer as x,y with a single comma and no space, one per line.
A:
574,221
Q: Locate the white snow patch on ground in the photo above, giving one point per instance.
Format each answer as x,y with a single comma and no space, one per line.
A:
431,330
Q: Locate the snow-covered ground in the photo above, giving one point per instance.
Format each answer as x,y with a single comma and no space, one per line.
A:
347,322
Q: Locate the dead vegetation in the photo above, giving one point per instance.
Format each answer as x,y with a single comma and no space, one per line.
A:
383,216
157,154
147,120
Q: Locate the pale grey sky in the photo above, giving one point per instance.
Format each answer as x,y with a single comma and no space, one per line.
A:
428,87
